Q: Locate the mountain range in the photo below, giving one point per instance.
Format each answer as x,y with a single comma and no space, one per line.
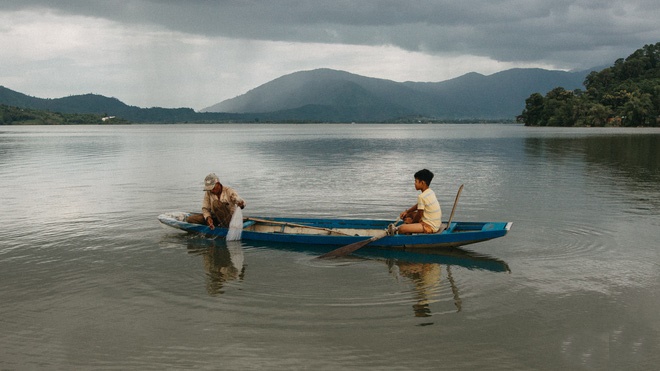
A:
342,96
326,95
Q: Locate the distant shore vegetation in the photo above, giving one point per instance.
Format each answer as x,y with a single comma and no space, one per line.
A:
626,94
10,115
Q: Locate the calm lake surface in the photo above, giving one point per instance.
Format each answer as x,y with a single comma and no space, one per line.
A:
90,280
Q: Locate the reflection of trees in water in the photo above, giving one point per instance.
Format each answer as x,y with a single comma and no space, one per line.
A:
222,263
628,162
636,156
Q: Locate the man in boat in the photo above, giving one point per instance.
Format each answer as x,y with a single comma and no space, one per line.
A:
425,216
218,205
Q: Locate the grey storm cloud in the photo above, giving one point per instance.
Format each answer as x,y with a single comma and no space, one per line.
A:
196,53
565,33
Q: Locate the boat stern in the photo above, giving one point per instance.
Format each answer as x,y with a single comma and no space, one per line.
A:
179,216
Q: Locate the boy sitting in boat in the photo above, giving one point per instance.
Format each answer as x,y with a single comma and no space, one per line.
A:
426,215
218,205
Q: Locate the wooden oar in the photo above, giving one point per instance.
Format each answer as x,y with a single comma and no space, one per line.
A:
345,250
296,225
451,216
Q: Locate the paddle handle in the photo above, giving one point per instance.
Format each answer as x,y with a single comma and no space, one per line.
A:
451,216
331,231
345,250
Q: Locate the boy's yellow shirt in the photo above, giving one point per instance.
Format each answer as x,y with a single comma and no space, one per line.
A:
432,212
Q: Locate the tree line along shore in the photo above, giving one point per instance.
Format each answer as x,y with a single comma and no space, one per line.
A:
626,94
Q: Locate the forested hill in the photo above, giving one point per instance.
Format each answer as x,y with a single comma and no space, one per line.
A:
100,105
331,95
625,94
12,115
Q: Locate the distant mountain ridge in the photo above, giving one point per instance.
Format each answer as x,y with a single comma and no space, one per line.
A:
326,95
101,105
471,96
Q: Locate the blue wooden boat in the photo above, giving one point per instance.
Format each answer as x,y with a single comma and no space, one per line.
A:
340,232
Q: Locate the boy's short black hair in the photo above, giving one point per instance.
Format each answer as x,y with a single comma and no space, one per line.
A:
425,176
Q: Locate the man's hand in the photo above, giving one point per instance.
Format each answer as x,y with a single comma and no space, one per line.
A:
209,221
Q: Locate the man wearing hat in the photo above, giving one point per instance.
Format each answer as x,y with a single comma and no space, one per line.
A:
218,205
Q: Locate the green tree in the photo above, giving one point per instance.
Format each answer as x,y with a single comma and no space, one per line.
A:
637,110
532,114
560,107
597,115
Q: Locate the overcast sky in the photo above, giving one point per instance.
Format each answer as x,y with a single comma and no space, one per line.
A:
195,53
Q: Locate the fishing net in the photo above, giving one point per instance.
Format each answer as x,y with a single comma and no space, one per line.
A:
235,225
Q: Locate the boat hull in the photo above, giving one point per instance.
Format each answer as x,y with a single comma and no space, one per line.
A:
339,232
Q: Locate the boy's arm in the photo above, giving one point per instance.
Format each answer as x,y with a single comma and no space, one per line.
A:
406,212
418,216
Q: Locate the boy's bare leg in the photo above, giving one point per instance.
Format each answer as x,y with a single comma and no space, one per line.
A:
411,228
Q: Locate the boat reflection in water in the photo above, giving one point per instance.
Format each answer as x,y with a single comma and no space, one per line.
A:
424,269
224,261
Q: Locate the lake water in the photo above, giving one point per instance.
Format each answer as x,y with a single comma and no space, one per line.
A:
90,280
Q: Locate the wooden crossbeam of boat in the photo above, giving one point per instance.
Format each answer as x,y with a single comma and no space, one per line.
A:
332,232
